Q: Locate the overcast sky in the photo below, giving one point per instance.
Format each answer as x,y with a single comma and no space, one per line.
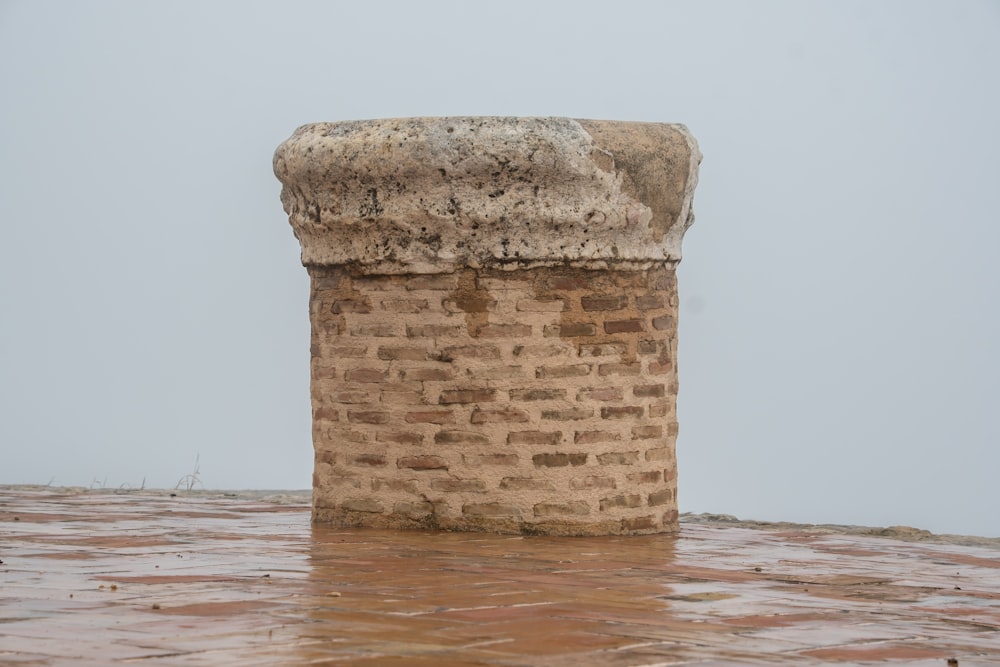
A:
840,317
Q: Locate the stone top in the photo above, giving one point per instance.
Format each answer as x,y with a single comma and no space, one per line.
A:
431,195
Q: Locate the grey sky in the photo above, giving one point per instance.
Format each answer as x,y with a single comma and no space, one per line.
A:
839,326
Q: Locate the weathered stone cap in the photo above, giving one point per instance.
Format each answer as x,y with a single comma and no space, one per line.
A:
430,195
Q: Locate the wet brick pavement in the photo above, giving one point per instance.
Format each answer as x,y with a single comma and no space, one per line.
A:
149,579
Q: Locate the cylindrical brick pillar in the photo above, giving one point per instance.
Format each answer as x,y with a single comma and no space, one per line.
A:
493,314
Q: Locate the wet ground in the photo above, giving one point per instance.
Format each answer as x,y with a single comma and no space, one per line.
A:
150,579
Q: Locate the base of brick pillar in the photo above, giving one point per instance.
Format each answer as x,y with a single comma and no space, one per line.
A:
535,401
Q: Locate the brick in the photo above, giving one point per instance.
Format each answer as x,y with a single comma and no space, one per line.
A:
592,482
659,410
490,459
631,368
404,485
414,509
603,349
550,350
324,373
559,460
645,347
622,412
660,497
590,437
599,394
645,477
459,485
526,484
630,500
647,432
430,417
366,375
618,458
650,302
498,416
568,414
505,284
325,456
496,373
374,330
400,437
639,523
404,305
467,396
648,391
434,330
667,281
367,417
347,436
345,352
660,454
537,394
541,306
503,331
592,303
572,508
351,397
428,374
490,510
422,463
370,505
351,306
326,414
460,438
570,330
438,281
568,282
534,437
663,322
470,352
402,353
376,460
571,371
470,303
623,326
659,367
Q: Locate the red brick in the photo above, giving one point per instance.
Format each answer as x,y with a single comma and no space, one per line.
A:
647,432
631,500
592,482
490,459
471,303
542,305
438,281
659,454
660,368
351,306
351,397
650,302
376,460
458,485
374,330
663,322
568,282
623,326
367,417
603,349
648,391
526,484
404,353
470,351
370,505
599,394
498,416
568,414
537,394
467,396
570,330
428,374
326,414
631,368
645,477
549,372
405,485
559,460
495,373
659,410
460,438
647,347
667,281
344,352
404,305
366,375
396,397
590,437
660,497
571,508
324,373
618,458
490,509
639,523
503,331
547,351
534,437
434,330
591,303
400,437
622,412
430,417
422,463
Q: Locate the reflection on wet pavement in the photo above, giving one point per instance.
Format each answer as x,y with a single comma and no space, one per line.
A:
100,578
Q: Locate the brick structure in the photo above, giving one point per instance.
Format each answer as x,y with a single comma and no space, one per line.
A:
493,312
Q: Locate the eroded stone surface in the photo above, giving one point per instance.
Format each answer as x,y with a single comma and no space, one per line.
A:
429,195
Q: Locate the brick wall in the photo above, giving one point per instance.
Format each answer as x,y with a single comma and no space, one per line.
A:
536,400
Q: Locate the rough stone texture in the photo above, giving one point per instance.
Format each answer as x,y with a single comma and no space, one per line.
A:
493,313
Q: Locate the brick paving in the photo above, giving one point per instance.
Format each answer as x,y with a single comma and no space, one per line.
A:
149,579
